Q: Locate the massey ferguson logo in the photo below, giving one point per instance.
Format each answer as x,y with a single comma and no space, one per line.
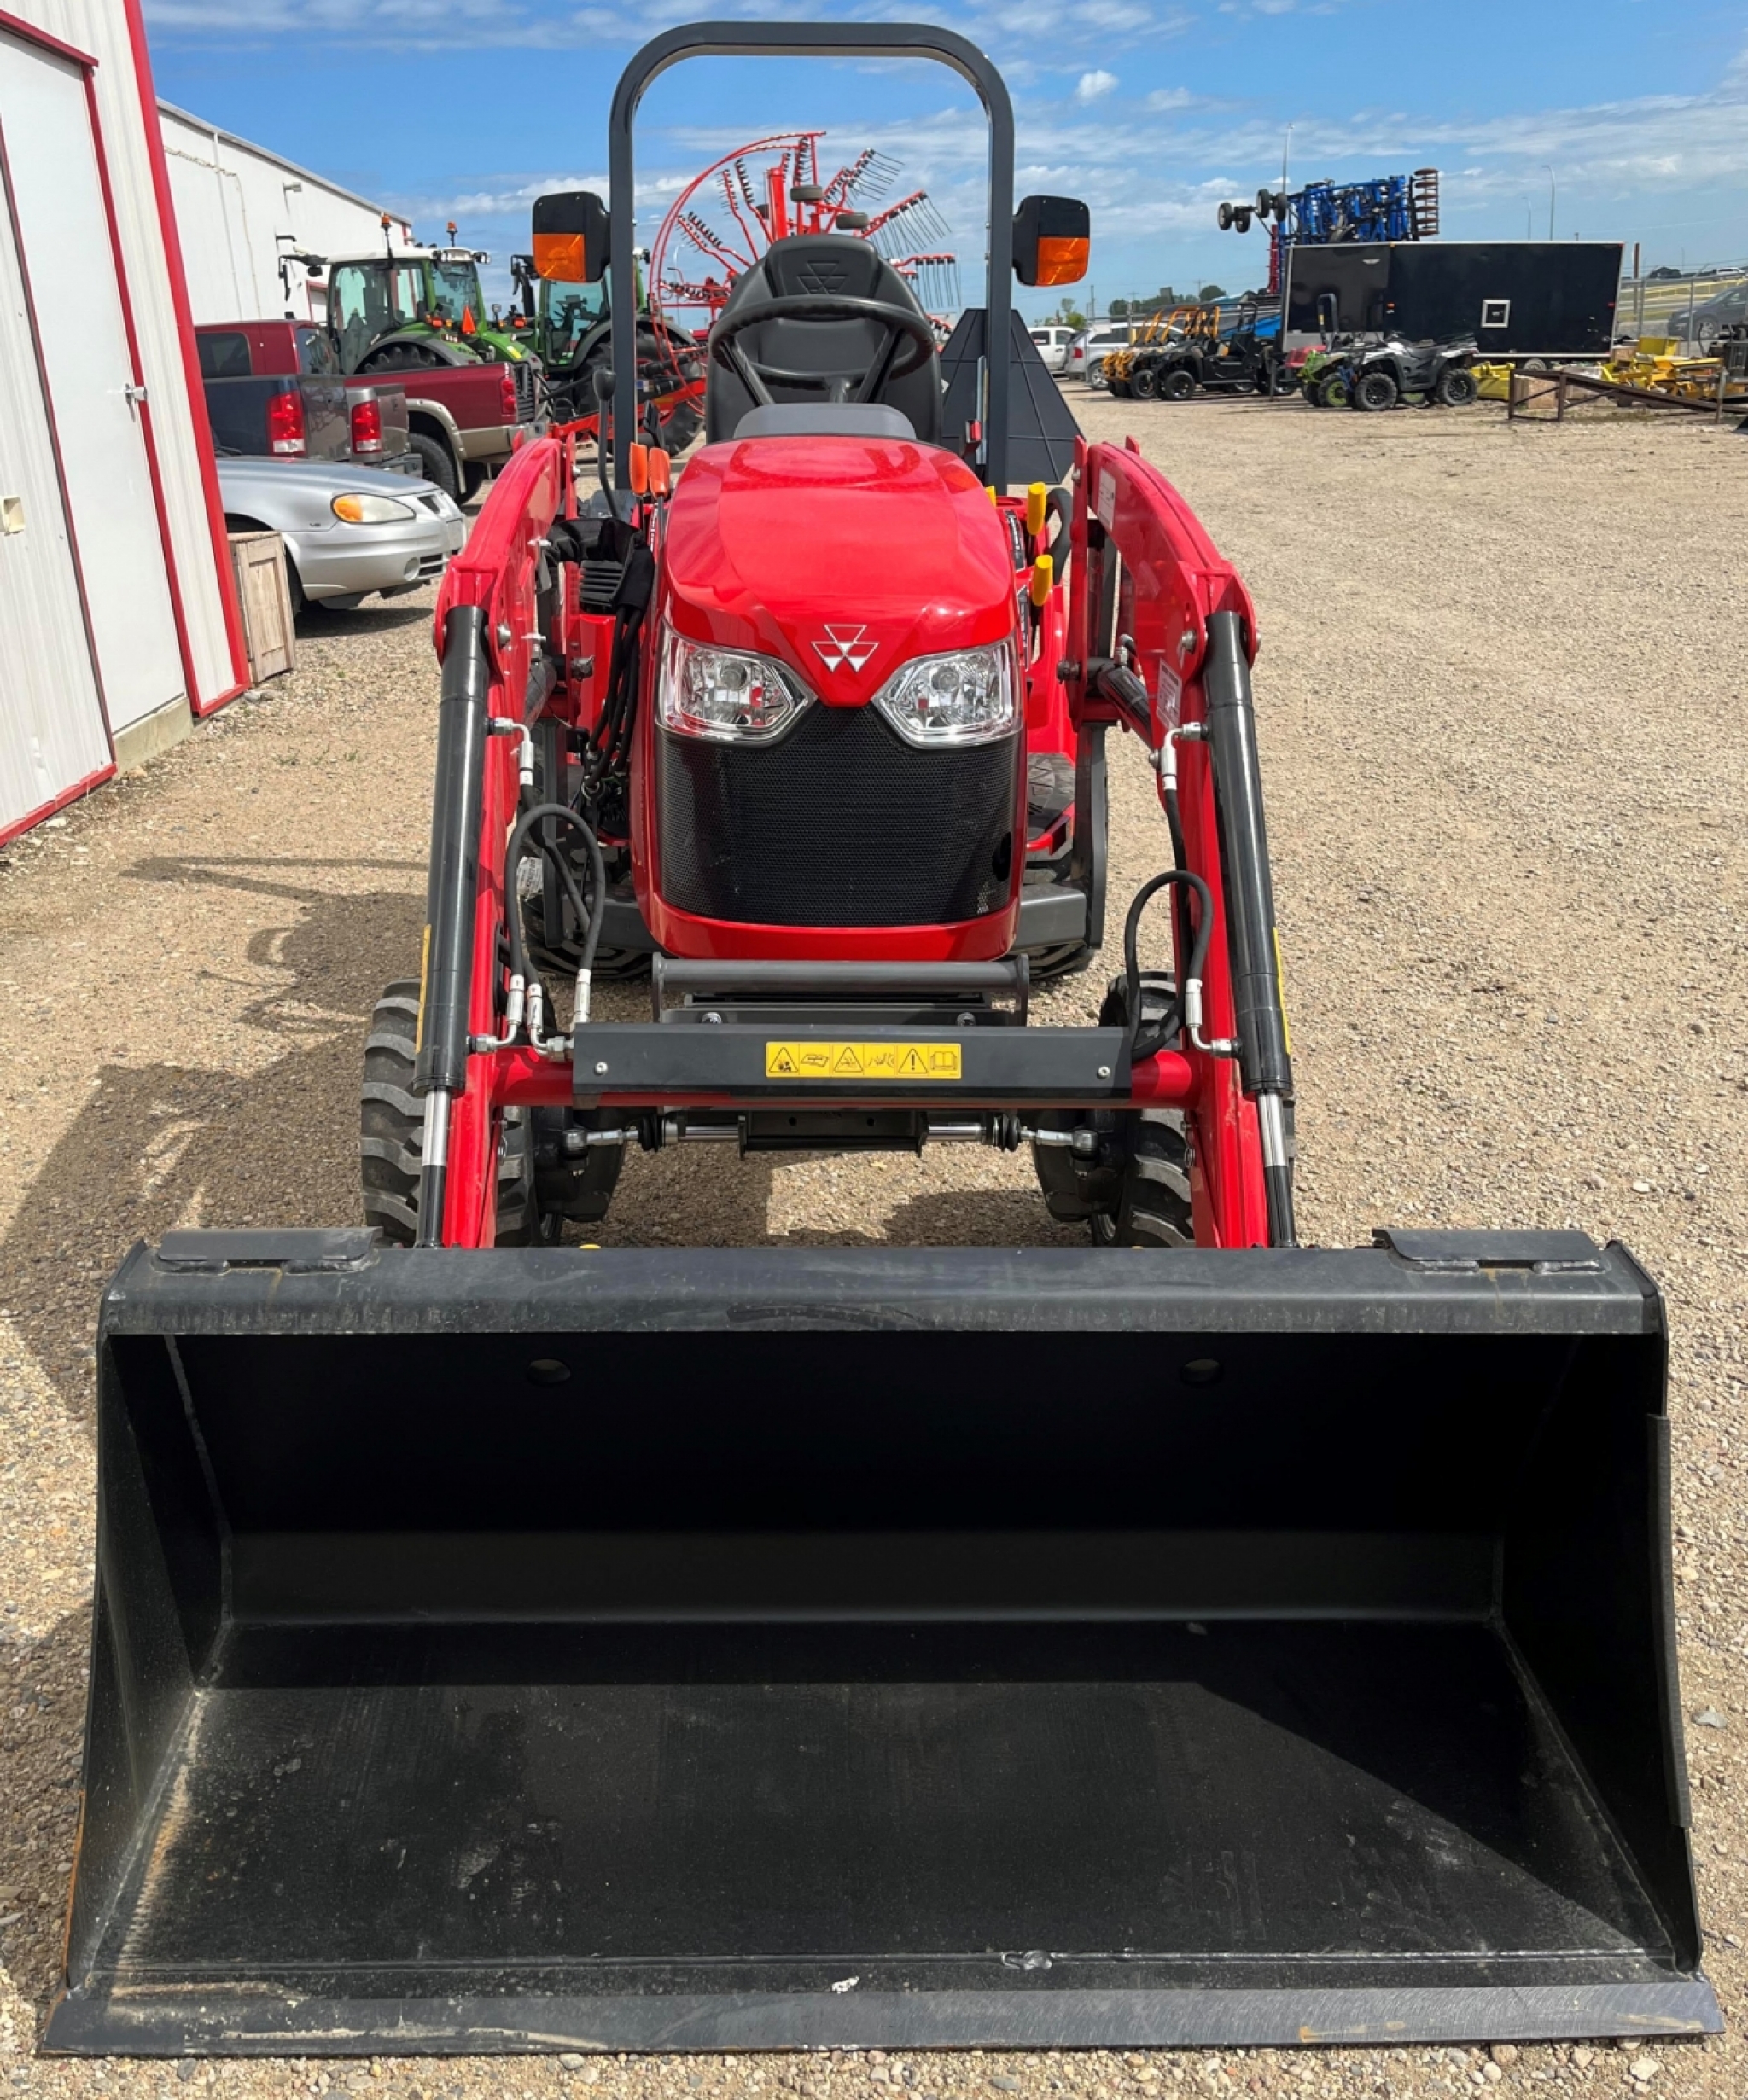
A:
822,277
845,645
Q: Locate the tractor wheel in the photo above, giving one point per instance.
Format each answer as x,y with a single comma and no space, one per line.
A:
1332,392
473,477
1458,387
1374,392
1178,385
436,463
392,1130
404,357
612,965
1143,382
1133,1186
683,420
1152,1194
1153,1203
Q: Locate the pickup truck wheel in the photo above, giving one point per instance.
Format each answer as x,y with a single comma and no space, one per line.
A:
473,480
436,463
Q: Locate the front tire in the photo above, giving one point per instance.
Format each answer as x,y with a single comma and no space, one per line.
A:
436,463
1459,387
1374,392
1144,383
1178,385
1332,392
392,1132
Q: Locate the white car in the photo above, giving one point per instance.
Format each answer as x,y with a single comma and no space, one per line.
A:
348,531
1052,342
1088,350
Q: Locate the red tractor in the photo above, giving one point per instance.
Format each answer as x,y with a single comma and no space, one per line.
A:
507,1642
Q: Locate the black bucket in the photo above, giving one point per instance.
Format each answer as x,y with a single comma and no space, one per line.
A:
625,1650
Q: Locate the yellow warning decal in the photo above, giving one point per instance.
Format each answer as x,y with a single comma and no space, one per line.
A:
882,1062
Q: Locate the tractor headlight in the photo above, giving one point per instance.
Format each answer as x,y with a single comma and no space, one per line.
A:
966,698
728,696
370,509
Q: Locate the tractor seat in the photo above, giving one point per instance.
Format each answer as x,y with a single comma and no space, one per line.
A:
826,419
816,263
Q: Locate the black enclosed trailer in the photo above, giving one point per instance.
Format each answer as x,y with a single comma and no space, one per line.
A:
1518,299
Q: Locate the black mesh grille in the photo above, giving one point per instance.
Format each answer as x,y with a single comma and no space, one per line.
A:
842,824
528,394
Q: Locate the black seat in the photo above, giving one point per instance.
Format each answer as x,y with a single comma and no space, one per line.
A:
832,264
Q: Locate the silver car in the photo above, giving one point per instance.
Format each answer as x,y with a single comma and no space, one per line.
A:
348,531
1087,351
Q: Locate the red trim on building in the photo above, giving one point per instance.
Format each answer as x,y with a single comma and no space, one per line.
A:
79,790
184,310
9,203
31,34
143,407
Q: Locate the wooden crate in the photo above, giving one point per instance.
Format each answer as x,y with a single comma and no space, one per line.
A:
258,561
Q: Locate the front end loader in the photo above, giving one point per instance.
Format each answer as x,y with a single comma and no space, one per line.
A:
508,1643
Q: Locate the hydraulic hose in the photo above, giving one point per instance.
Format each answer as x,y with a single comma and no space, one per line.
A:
1143,1042
589,916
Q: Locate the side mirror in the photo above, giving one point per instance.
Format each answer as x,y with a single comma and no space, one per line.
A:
1052,241
570,237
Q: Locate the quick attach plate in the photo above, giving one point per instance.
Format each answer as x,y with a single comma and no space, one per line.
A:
778,1061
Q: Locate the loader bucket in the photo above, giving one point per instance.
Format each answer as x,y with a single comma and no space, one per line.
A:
643,1649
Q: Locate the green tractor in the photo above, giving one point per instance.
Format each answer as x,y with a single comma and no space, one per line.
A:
569,326
399,310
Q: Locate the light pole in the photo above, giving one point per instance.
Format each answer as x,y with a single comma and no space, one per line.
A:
1550,200
1284,144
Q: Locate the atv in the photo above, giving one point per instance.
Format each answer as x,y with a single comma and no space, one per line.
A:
1244,358
1394,371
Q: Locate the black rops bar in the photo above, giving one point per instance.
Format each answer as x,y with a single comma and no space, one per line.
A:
446,976
812,40
1263,1059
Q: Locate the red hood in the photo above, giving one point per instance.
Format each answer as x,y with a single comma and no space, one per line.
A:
841,556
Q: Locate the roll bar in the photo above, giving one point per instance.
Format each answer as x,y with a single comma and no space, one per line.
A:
810,40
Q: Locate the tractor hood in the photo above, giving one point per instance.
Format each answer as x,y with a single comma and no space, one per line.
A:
841,556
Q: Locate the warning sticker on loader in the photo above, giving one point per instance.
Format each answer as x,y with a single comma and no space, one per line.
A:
880,1062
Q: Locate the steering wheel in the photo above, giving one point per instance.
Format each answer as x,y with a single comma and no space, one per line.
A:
897,322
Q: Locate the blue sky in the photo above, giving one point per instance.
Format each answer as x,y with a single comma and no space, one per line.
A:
1153,110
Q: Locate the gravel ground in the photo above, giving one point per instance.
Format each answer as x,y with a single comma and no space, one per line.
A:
1502,699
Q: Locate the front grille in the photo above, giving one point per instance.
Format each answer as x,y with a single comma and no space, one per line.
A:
842,824
527,391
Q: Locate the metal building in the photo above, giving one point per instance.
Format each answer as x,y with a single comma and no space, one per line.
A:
118,620
256,229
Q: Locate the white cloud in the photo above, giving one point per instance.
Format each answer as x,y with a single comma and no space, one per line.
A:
1168,98
1092,85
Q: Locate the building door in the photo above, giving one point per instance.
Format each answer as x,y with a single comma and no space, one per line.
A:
61,226
52,737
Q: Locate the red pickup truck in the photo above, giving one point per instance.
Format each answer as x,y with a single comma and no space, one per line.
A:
462,420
